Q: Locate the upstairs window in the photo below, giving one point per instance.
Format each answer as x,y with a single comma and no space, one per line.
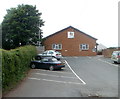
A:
70,34
57,46
84,46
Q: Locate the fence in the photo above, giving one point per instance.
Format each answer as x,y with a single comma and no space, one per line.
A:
108,52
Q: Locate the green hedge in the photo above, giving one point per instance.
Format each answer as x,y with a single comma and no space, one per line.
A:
15,63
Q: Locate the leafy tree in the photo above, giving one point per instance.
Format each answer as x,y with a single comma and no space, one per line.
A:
0,36
21,26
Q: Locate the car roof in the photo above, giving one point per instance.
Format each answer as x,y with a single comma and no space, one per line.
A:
49,58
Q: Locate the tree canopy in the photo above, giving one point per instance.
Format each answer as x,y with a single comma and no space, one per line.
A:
21,26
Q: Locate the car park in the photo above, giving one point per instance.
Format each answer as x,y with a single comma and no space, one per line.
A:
51,53
46,63
115,57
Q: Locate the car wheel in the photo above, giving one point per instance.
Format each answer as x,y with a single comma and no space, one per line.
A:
58,59
60,68
115,62
33,66
51,68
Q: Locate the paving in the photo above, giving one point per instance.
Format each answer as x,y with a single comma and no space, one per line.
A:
82,77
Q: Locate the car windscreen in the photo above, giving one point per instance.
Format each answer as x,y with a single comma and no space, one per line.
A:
119,54
58,52
53,60
44,53
49,60
45,60
50,52
115,53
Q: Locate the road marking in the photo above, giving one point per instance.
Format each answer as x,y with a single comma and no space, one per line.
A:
55,81
108,63
55,71
55,75
75,73
89,57
75,57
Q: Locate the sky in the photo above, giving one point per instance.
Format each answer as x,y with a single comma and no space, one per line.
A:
98,18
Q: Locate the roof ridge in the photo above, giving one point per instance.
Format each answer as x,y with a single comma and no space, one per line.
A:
70,27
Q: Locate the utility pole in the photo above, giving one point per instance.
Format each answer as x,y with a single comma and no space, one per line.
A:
39,43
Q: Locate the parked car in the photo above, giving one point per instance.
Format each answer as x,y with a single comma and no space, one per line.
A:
116,56
46,63
51,53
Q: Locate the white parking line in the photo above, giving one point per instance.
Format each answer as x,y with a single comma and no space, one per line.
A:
75,57
55,75
75,73
55,81
108,62
89,57
55,71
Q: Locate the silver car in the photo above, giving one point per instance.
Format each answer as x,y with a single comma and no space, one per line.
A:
115,56
51,53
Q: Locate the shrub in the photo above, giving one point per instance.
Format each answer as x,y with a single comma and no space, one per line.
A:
15,63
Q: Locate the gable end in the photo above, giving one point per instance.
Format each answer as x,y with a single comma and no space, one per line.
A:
68,28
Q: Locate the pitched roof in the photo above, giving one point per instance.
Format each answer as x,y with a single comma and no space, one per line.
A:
72,28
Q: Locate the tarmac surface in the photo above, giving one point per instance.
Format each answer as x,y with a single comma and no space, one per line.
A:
82,77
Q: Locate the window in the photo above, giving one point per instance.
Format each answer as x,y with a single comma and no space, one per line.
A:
50,52
84,46
57,46
44,53
94,49
45,60
70,34
53,60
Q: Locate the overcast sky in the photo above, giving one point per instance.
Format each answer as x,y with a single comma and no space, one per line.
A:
98,18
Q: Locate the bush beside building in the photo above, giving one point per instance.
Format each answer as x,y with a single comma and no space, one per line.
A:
15,64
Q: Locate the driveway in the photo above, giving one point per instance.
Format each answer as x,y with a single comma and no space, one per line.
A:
82,77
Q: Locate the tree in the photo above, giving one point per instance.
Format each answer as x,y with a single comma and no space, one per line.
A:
21,26
0,36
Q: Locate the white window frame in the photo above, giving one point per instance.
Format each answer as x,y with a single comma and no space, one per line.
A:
84,46
70,34
94,50
57,46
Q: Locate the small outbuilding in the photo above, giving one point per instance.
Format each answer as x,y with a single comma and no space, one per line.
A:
71,42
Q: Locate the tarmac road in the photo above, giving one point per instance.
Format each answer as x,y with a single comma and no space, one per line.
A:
82,77
99,74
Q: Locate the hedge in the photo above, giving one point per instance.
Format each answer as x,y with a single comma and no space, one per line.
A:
15,63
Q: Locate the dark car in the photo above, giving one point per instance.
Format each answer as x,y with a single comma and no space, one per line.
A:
46,63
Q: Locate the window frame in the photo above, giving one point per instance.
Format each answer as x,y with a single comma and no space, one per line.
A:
69,34
57,46
84,47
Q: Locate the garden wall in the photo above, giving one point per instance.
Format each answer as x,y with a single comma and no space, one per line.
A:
108,52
